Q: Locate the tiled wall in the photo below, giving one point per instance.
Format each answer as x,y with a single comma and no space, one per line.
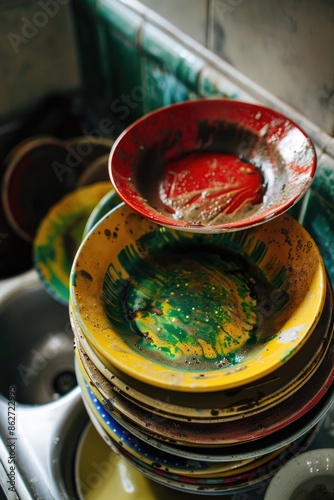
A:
285,46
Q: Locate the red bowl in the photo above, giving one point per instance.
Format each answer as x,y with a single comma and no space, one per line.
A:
212,165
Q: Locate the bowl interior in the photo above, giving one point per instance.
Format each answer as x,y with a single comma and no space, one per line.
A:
250,399
309,475
94,455
196,312
212,165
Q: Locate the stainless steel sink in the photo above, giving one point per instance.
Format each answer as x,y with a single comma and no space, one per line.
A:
36,345
44,445
41,412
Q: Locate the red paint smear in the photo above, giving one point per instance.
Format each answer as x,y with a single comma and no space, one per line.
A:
218,176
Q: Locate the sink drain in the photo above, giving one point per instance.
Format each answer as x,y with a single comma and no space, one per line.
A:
64,382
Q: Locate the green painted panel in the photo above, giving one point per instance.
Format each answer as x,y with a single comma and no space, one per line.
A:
90,57
170,54
118,33
319,221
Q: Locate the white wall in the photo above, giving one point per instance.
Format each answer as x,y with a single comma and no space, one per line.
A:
286,46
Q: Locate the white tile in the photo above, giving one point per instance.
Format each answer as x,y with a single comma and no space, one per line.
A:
286,47
188,15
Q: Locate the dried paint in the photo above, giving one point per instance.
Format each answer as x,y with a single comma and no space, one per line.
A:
190,305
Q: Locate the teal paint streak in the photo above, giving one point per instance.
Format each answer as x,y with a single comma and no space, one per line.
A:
187,289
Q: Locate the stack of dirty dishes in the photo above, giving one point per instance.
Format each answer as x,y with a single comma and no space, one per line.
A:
201,311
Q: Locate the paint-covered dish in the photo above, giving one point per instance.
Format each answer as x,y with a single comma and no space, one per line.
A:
59,236
221,406
157,467
40,170
140,291
214,434
212,165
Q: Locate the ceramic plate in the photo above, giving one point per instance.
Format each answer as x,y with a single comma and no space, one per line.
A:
59,236
212,165
117,477
310,422
30,186
191,484
41,170
230,432
140,449
200,472
251,400
249,296
170,448
225,469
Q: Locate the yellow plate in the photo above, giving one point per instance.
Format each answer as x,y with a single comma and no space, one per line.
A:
218,470
196,312
223,405
101,474
59,236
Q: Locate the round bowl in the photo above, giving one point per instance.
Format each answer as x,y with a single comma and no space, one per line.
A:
212,165
199,470
215,406
221,433
233,453
139,292
30,185
40,170
59,236
309,475
161,471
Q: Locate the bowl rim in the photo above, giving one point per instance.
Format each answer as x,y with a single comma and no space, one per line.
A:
130,196
51,268
13,161
158,404
130,362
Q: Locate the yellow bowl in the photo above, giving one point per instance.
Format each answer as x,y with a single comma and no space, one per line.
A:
209,407
59,236
196,312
